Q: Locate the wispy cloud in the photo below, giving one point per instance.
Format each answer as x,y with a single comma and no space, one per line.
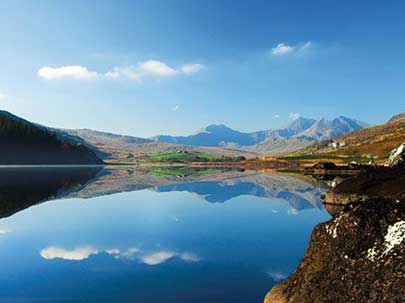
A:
192,68
4,231
149,68
3,96
175,108
294,116
283,49
189,257
72,71
276,116
277,275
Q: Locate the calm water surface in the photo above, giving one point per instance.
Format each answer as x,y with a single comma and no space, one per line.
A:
125,235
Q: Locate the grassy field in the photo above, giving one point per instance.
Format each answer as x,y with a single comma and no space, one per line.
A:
187,157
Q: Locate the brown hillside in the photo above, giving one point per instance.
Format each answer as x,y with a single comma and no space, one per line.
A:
376,141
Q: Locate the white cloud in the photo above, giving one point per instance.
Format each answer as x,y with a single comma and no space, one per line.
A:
276,116
283,49
4,231
192,68
158,68
129,72
3,96
153,68
77,254
73,71
294,116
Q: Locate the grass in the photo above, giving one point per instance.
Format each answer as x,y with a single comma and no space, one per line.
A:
185,157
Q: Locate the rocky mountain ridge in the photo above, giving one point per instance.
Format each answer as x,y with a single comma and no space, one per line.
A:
300,133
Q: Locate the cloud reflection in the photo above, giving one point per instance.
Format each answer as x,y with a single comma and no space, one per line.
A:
77,254
157,257
277,275
132,253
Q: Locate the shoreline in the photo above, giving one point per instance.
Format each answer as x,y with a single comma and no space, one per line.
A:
365,235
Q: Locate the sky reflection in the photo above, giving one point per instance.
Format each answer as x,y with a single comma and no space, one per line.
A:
143,245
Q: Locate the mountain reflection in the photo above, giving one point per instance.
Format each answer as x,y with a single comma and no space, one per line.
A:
23,187
151,241
298,194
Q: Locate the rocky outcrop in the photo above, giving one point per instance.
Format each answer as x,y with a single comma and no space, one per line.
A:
375,182
397,157
359,255
356,257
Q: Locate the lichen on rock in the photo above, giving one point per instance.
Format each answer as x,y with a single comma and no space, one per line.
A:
356,257
397,156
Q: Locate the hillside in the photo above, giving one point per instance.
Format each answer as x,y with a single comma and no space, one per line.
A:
113,147
23,142
369,143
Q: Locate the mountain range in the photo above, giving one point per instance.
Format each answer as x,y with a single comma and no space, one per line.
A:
300,133
24,142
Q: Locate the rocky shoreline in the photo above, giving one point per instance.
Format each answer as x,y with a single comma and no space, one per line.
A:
357,256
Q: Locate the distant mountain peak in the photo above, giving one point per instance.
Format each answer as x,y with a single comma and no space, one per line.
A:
218,127
325,129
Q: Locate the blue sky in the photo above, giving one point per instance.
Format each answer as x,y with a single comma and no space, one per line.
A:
171,67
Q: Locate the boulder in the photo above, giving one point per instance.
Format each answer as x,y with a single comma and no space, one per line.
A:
358,256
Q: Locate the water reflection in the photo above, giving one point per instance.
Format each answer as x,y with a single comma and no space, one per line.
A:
141,235
23,187
132,253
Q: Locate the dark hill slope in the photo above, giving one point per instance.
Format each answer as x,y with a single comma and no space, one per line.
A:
25,143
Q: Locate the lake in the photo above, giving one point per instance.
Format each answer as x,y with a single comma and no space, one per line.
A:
122,234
